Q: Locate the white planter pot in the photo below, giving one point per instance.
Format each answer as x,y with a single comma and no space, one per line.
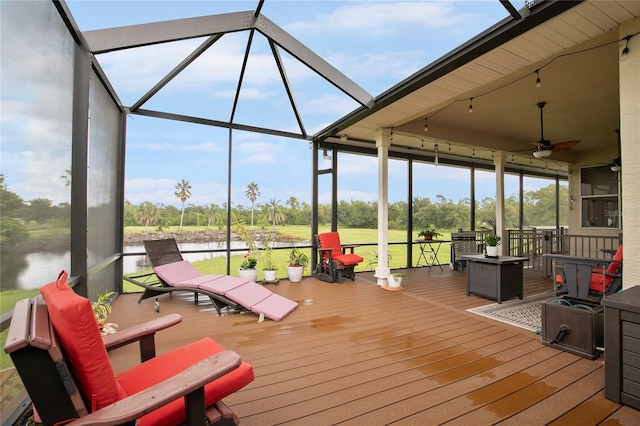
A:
295,273
394,281
248,274
492,251
270,275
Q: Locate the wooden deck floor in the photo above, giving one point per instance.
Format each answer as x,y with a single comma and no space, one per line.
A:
356,354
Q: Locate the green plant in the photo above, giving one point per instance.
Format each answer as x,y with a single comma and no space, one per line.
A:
102,307
429,232
267,253
398,275
492,240
250,261
297,258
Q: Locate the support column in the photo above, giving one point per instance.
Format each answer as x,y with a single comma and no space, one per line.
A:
499,161
629,69
383,141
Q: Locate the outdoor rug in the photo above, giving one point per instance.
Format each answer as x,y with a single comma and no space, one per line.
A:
521,313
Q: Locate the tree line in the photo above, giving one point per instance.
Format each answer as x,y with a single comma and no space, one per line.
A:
441,213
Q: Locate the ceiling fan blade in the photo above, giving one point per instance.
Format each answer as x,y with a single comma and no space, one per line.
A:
564,146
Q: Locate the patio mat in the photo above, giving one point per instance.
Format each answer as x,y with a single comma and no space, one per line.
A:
521,313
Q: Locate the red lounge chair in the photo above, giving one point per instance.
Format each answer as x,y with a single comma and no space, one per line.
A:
334,263
226,292
62,360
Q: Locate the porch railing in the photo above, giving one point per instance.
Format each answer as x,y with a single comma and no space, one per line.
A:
534,243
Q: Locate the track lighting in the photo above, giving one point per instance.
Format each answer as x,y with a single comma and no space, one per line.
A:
538,82
426,124
470,105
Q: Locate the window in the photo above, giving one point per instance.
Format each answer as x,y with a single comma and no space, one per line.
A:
599,193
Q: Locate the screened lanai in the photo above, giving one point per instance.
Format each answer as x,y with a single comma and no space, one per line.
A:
135,114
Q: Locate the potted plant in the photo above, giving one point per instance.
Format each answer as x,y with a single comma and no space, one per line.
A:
270,269
248,269
492,241
395,279
429,233
102,309
296,264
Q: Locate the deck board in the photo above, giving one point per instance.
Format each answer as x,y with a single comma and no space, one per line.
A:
356,354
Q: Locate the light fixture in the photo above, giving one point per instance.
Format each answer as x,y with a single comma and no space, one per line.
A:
325,154
625,51
542,152
344,137
435,150
616,166
538,82
470,105
426,124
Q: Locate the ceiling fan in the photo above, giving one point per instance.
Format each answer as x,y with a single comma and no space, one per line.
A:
544,148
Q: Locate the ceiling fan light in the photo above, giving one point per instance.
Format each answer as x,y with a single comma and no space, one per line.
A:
541,152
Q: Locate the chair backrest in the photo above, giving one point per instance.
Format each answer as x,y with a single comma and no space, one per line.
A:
77,331
330,240
161,252
613,267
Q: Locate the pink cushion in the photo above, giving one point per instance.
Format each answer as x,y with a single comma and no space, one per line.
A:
223,285
249,294
275,307
73,320
166,365
176,272
198,281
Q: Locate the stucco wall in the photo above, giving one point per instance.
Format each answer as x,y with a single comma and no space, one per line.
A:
630,147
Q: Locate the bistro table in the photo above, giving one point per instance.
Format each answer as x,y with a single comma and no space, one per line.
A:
497,278
431,247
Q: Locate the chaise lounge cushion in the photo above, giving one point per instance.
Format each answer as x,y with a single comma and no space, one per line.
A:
75,324
170,363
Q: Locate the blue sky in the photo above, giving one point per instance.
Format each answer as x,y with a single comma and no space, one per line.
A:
376,44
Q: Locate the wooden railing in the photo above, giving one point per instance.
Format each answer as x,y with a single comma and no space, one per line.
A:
534,243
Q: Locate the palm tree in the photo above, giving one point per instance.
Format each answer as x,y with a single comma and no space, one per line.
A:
275,215
183,192
252,193
147,214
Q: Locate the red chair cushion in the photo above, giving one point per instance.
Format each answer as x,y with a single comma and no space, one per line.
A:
332,240
599,281
168,364
77,330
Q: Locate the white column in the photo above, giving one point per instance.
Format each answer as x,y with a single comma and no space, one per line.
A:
383,141
499,161
629,70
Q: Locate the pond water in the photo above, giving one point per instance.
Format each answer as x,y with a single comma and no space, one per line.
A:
33,270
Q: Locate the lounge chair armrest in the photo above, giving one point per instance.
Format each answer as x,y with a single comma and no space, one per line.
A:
188,383
143,333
